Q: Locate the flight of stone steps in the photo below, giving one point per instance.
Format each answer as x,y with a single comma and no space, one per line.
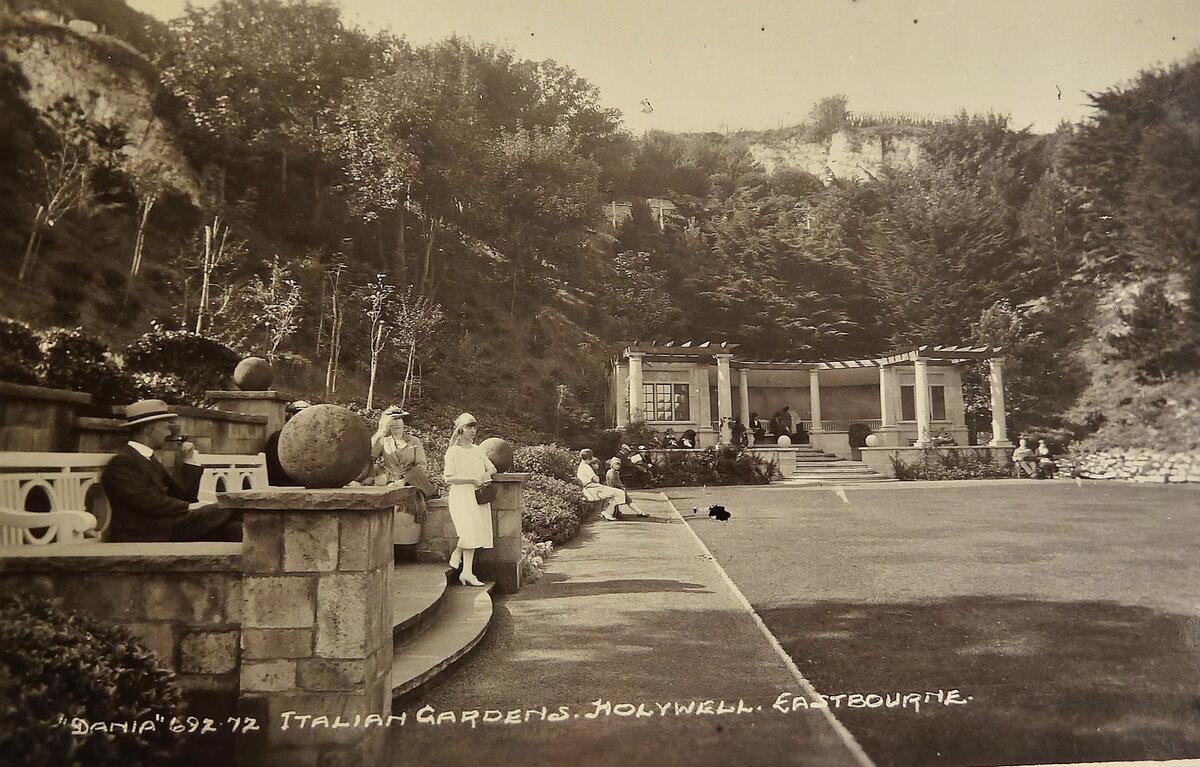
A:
814,467
435,623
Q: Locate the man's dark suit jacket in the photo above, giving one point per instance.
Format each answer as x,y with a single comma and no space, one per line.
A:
146,501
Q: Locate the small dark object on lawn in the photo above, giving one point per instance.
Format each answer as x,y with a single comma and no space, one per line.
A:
719,512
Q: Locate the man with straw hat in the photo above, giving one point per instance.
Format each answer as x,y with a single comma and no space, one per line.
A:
147,503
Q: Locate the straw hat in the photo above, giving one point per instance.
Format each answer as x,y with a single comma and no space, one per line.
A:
145,411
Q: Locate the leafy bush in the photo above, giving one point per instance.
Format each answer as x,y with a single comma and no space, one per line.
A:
713,466
955,464
607,443
857,435
637,433
165,386
552,510
19,352
55,664
73,359
199,362
547,460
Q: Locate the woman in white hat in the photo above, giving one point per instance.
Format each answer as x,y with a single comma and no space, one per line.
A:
468,468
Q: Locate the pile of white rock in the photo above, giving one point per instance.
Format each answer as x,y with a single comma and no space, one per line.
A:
1140,466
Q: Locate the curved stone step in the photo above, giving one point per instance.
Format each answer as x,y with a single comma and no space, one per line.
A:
417,591
462,620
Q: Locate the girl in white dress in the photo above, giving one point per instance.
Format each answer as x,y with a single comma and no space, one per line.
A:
468,467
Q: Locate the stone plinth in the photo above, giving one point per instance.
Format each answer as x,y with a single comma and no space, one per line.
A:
271,404
316,620
38,419
502,562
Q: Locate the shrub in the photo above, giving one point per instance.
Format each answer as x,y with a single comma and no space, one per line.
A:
714,466
637,433
955,464
607,443
165,386
199,362
73,359
547,460
19,352
552,510
857,435
56,665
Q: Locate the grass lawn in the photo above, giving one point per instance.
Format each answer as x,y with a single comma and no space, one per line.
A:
1069,615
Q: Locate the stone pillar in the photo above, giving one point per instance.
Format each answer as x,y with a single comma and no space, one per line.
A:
502,562
887,407
316,621
814,399
744,398
724,387
921,401
999,419
272,404
635,387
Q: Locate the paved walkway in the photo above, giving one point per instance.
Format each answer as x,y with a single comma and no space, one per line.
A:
632,612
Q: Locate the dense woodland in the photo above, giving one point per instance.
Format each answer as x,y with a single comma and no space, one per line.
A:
391,221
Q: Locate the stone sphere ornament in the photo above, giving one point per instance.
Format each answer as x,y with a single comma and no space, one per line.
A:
872,440
324,446
499,452
784,441
253,374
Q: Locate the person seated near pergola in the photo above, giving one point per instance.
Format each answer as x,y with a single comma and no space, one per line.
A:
1024,460
756,426
147,503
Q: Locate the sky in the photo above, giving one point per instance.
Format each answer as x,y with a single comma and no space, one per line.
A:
709,65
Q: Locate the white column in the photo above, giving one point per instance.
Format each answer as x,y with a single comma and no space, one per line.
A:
744,398
921,400
635,387
814,399
724,387
999,420
621,391
887,410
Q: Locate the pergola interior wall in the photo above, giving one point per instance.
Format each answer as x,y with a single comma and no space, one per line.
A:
891,371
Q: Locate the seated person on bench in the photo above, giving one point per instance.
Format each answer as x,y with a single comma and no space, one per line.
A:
1024,461
147,503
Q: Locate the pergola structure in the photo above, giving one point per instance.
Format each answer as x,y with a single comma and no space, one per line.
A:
701,354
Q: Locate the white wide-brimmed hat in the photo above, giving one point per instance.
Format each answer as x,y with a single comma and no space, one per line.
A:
145,411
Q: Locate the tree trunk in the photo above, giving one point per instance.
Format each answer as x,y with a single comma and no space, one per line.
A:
434,223
316,214
401,256
371,385
31,248
139,244
283,171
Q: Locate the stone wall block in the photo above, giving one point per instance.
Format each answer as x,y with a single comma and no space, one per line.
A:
268,676
382,552
331,674
262,542
123,597
262,644
508,523
209,652
194,599
279,602
342,616
354,543
158,638
233,600
310,543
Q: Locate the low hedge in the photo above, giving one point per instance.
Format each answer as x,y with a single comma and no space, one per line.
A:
951,465
548,460
713,466
552,510
57,665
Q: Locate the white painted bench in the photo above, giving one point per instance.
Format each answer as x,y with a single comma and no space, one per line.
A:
34,487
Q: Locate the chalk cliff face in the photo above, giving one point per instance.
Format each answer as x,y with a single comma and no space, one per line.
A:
114,84
851,154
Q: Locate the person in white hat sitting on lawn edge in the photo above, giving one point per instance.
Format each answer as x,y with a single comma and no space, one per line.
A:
147,503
